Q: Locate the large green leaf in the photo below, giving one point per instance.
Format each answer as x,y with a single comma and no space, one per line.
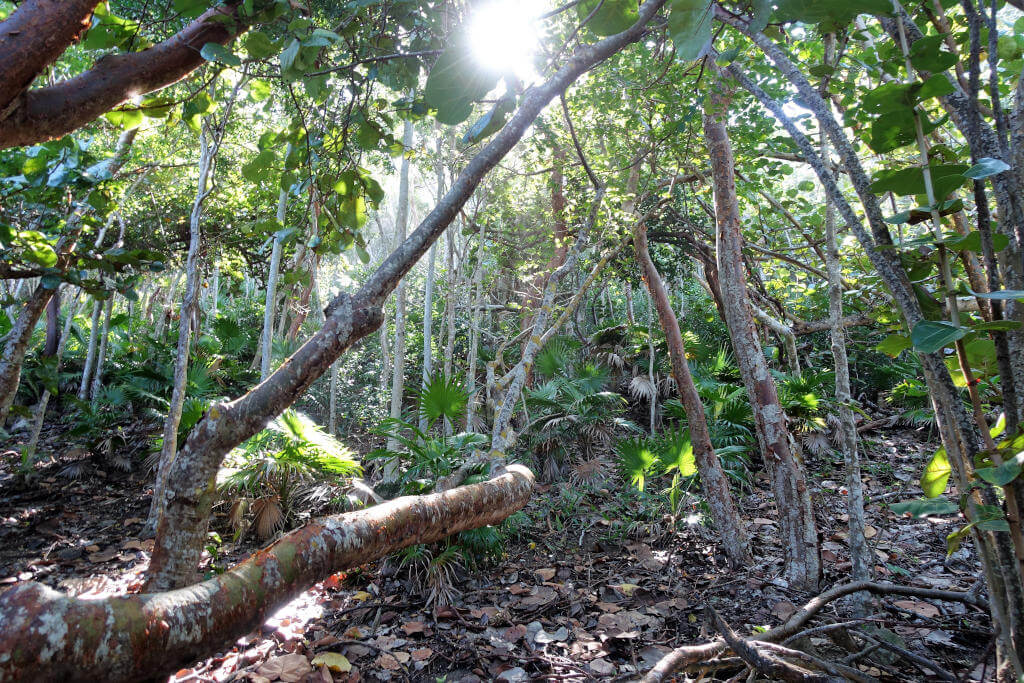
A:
929,336
925,508
936,475
986,167
894,345
613,16
689,24
910,181
455,83
830,14
1002,475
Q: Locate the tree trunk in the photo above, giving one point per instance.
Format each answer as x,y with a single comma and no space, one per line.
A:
474,328
860,553
101,353
428,296
190,492
792,497
169,449
51,637
712,477
398,358
267,340
39,414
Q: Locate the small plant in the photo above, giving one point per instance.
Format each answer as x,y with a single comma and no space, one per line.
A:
264,475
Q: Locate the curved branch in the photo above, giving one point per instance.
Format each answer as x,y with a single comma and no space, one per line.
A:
48,636
33,37
47,113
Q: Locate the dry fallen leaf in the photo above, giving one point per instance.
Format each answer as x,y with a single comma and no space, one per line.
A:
287,668
333,661
923,608
421,654
546,574
387,661
413,627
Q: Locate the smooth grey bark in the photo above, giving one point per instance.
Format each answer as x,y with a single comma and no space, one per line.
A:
267,338
398,357
474,328
209,142
428,297
39,413
190,493
860,553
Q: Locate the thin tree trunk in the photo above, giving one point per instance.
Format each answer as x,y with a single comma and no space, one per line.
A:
713,479
792,497
428,297
39,414
101,353
860,553
398,359
476,319
169,449
267,339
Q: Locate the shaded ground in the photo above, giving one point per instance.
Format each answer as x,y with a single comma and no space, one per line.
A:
586,591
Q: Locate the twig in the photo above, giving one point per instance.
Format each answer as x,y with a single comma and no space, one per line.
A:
774,669
921,661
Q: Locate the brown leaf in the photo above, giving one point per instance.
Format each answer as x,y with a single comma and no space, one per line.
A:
413,627
104,556
287,668
421,654
388,661
917,607
546,574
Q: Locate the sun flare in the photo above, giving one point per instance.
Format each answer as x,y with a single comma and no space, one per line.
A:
504,35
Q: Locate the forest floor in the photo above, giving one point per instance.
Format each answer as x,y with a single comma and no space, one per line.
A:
583,591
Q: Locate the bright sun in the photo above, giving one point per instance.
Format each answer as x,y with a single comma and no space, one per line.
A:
504,35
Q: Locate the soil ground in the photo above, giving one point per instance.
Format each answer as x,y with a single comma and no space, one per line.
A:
584,591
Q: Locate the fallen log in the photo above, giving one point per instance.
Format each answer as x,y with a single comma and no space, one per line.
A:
48,636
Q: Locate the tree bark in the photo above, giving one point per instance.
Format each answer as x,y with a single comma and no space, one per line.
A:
267,340
398,357
169,449
48,636
33,37
428,296
52,111
713,479
190,493
476,319
792,497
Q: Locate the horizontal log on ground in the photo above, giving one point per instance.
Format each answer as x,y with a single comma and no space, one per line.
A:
48,636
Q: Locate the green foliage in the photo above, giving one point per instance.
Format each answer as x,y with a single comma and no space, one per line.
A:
263,474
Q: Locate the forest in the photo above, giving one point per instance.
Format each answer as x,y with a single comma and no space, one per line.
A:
511,340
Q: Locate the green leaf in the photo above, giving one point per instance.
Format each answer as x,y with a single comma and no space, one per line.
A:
613,16
260,167
1001,475
894,345
927,54
830,14
926,507
910,181
936,475
994,525
929,336
39,249
1001,295
986,167
690,24
125,118
972,242
289,55
215,52
259,90
259,45
996,326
